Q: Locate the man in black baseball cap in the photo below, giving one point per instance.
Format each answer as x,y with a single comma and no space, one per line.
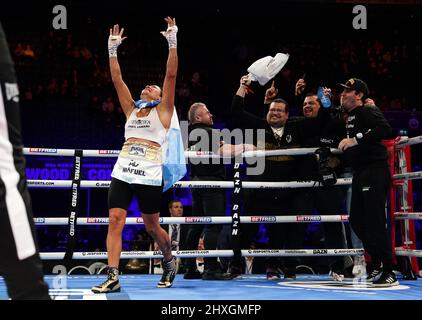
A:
358,85
366,127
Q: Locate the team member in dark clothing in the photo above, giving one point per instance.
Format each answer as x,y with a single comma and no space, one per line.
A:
281,132
20,263
328,200
207,202
366,127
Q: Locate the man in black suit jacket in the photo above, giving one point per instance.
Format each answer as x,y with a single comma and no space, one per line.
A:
178,240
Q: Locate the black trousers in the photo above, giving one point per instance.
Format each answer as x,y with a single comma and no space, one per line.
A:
205,202
24,278
280,235
328,201
368,214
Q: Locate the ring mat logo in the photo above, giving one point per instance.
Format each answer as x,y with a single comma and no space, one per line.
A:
352,285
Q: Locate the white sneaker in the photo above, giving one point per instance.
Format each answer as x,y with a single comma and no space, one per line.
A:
336,276
359,268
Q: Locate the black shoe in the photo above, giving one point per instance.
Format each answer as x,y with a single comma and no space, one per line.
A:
216,276
235,272
374,275
169,272
348,273
111,284
192,275
387,279
290,274
273,275
340,275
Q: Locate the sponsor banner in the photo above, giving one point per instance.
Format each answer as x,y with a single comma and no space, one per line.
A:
102,184
349,251
264,251
108,151
320,251
203,186
41,167
74,205
40,183
308,218
42,150
97,220
193,252
101,254
198,219
137,253
263,219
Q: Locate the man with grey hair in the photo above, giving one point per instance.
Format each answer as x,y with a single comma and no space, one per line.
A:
194,110
207,202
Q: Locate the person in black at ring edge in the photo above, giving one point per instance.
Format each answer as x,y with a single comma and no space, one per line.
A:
281,132
366,127
20,262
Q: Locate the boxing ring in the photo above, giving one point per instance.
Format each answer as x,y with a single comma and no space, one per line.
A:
251,286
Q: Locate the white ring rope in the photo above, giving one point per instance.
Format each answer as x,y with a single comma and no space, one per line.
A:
216,184
198,220
193,154
192,184
408,215
408,252
406,141
408,176
188,154
209,253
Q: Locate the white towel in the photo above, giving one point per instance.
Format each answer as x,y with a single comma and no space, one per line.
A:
264,69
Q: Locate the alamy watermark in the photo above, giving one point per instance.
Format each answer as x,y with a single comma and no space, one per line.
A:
59,281
61,272
60,20
199,141
360,21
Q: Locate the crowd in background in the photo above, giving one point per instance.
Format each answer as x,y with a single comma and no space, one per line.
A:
68,72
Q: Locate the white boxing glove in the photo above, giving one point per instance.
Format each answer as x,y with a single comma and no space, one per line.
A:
171,35
113,43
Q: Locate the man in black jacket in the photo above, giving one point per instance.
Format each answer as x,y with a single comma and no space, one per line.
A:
327,199
20,262
363,148
207,202
281,132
